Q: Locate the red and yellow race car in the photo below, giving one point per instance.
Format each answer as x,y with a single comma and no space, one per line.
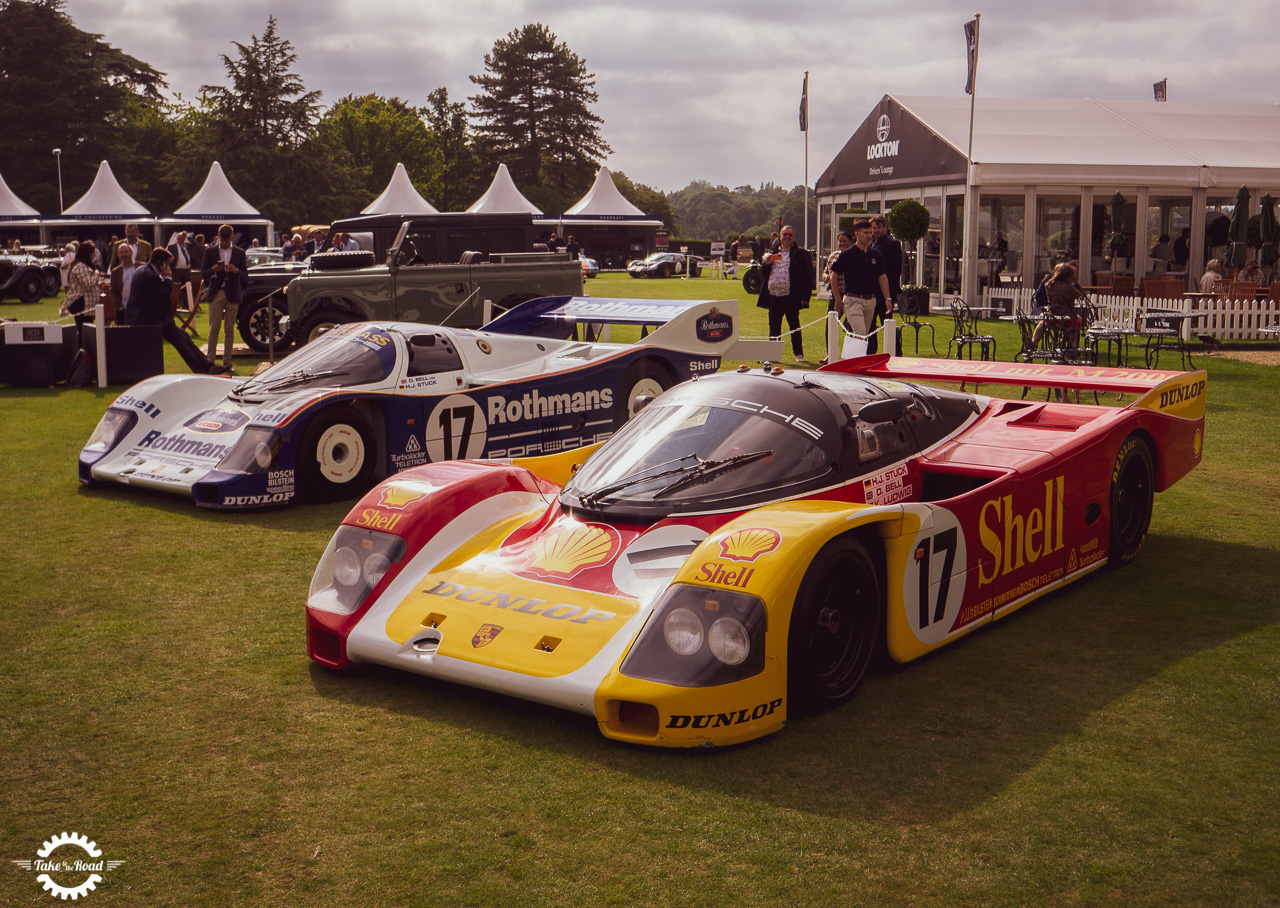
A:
740,549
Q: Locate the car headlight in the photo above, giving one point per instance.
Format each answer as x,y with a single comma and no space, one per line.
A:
255,452
699,637
351,567
114,425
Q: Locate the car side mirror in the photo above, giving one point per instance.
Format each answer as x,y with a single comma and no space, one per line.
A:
881,410
641,402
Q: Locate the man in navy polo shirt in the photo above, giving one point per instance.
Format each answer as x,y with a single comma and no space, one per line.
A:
856,276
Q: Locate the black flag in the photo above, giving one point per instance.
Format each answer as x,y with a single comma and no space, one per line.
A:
971,39
804,105
1161,89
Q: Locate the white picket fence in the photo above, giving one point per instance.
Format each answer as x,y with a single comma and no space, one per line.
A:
1221,318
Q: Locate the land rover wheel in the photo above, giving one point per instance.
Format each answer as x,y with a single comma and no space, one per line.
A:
320,322
253,320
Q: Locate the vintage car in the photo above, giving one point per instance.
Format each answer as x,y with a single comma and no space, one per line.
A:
738,552
665,264
590,267
368,400
27,278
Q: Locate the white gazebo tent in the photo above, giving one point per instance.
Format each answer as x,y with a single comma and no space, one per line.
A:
1049,167
502,197
400,197
105,205
216,203
606,225
15,213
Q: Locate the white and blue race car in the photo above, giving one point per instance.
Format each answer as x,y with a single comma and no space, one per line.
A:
371,399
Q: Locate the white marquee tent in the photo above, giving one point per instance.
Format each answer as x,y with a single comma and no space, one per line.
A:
502,197
400,197
215,203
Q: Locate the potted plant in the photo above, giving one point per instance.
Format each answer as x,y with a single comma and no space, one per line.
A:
909,224
915,299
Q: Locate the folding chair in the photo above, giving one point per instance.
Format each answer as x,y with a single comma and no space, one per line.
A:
187,314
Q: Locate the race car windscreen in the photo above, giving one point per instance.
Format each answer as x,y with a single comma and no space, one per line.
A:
687,455
347,356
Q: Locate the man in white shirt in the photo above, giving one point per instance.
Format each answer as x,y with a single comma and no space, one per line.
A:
180,249
122,280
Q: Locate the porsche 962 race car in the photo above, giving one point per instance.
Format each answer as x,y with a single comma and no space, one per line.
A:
740,549
370,399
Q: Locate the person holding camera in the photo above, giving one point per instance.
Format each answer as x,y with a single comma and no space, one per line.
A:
786,283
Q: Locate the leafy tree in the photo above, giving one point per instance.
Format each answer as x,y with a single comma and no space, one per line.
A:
262,129
61,87
371,134
532,114
460,178
908,221
651,201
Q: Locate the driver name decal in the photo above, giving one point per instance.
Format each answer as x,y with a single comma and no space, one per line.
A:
887,486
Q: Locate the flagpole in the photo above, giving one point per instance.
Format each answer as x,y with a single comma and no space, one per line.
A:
969,287
805,214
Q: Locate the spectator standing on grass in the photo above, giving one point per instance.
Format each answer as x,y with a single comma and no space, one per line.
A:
121,281
891,249
573,248
785,287
180,249
149,305
756,249
141,248
858,275
64,269
226,272
83,289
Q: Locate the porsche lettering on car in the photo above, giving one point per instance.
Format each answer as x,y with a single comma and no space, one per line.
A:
371,399
739,550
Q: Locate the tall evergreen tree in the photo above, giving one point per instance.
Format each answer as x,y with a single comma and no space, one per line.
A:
373,134
459,182
533,114
64,88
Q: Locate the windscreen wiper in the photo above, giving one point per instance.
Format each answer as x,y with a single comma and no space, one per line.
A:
594,496
707,468
293,378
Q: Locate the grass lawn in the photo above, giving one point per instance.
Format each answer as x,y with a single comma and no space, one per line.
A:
1117,742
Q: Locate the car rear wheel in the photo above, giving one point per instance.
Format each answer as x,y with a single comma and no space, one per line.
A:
335,459
664,270
1132,499
835,626
321,321
31,287
645,378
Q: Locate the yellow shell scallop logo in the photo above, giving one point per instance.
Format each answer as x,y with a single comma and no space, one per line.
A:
749,544
564,554
399,496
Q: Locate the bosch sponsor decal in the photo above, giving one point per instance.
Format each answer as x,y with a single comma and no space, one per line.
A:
748,544
535,405
568,552
486,635
887,486
723,720
219,419
714,327
134,403
177,443
516,604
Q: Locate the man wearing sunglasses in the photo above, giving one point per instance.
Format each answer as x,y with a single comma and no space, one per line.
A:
786,285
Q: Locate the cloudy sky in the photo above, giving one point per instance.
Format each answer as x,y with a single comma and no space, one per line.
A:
710,90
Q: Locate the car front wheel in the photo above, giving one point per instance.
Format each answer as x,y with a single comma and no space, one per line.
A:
835,626
335,460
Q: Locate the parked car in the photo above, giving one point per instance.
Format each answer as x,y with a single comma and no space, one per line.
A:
739,551
590,267
666,264
368,400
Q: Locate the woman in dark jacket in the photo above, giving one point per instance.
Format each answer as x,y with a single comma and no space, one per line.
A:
785,290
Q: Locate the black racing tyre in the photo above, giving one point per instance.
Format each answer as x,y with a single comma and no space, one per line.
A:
252,322
336,456
336,261
664,270
31,287
1132,499
645,377
321,320
52,282
835,626
695,270
751,281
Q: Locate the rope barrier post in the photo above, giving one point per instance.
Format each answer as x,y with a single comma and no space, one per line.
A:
835,337
100,336
890,337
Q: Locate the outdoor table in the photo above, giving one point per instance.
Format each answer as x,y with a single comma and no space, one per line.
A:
1163,329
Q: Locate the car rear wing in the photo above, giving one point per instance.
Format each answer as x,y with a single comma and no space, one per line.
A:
692,326
1178,393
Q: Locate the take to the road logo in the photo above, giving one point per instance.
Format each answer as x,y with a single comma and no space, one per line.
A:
69,865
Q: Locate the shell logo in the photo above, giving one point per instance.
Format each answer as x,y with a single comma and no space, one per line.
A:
567,553
400,495
749,544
